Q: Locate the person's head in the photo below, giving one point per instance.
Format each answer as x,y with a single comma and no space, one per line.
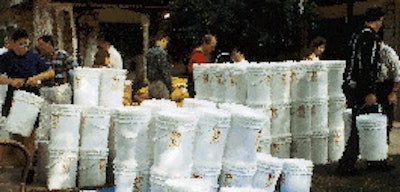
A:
161,39
208,43
317,45
374,17
105,42
102,58
19,42
237,54
45,44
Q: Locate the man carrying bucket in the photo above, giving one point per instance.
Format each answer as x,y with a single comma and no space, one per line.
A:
364,92
25,70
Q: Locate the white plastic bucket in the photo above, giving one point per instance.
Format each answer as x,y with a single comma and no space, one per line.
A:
43,130
207,173
65,124
142,180
86,86
319,115
319,80
236,84
95,124
124,176
211,134
335,76
258,84
265,132
296,175
372,131
300,82
280,84
300,118
218,83
301,147
336,145
155,106
335,113
237,175
319,146
202,81
241,143
125,147
173,144
62,169
23,113
112,85
268,171
280,119
131,138
92,167
280,146
61,94
157,182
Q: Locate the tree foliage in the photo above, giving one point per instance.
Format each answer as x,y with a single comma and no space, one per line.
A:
264,29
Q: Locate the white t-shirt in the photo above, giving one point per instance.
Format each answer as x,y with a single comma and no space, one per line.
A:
3,50
115,58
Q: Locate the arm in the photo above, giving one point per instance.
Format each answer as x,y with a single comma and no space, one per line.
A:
35,80
166,70
15,82
369,52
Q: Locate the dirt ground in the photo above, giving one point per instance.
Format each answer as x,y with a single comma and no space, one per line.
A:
325,178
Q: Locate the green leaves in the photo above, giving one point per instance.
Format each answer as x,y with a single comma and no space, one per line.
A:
265,29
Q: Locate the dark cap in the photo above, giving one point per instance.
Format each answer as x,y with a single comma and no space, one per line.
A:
374,14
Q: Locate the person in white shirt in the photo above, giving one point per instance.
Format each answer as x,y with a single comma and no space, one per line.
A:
238,57
115,56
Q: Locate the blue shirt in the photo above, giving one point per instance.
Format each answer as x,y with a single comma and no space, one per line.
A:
25,66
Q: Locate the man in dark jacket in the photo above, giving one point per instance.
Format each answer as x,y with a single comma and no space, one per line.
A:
159,69
364,92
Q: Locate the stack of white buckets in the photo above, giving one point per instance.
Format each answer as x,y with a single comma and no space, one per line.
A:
304,115
70,133
155,146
